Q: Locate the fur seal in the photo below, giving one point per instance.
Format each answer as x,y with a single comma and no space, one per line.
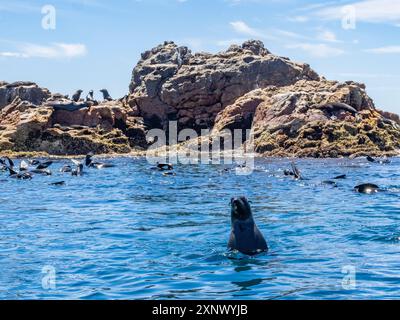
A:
295,172
77,95
169,173
90,96
331,107
44,172
98,165
71,107
66,168
165,166
20,175
10,163
245,236
384,161
106,95
60,183
34,162
368,188
341,177
44,165
78,171
330,183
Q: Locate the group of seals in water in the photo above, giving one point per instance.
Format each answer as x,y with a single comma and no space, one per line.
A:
245,236
367,188
28,168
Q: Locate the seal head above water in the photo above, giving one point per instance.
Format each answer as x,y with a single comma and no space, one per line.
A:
245,236
367,188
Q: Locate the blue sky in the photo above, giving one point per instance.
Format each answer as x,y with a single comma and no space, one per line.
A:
96,43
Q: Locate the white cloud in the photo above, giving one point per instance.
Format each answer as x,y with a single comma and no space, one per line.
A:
327,36
385,50
367,10
9,54
317,50
54,51
300,19
242,28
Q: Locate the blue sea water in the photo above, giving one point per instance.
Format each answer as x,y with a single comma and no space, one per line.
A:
131,233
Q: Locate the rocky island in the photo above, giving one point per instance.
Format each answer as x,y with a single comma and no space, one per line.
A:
292,111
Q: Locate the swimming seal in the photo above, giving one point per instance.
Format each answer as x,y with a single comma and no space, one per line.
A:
77,95
165,166
295,172
44,165
44,172
66,168
384,161
367,188
57,184
341,177
20,175
245,236
78,171
98,165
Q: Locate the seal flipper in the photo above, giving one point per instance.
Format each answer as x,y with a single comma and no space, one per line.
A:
44,165
296,171
370,159
10,162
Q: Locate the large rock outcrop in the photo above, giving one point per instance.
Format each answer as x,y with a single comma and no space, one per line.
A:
171,83
290,109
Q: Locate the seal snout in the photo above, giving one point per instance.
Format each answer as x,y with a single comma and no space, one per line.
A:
240,208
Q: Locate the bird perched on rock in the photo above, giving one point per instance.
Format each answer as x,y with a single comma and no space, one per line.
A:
106,95
77,95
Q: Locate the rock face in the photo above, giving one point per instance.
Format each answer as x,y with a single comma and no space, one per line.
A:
170,83
291,110
313,118
109,127
27,91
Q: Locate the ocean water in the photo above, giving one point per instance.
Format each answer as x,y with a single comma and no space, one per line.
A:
131,233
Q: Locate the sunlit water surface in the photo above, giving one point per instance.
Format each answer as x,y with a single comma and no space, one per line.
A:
131,233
